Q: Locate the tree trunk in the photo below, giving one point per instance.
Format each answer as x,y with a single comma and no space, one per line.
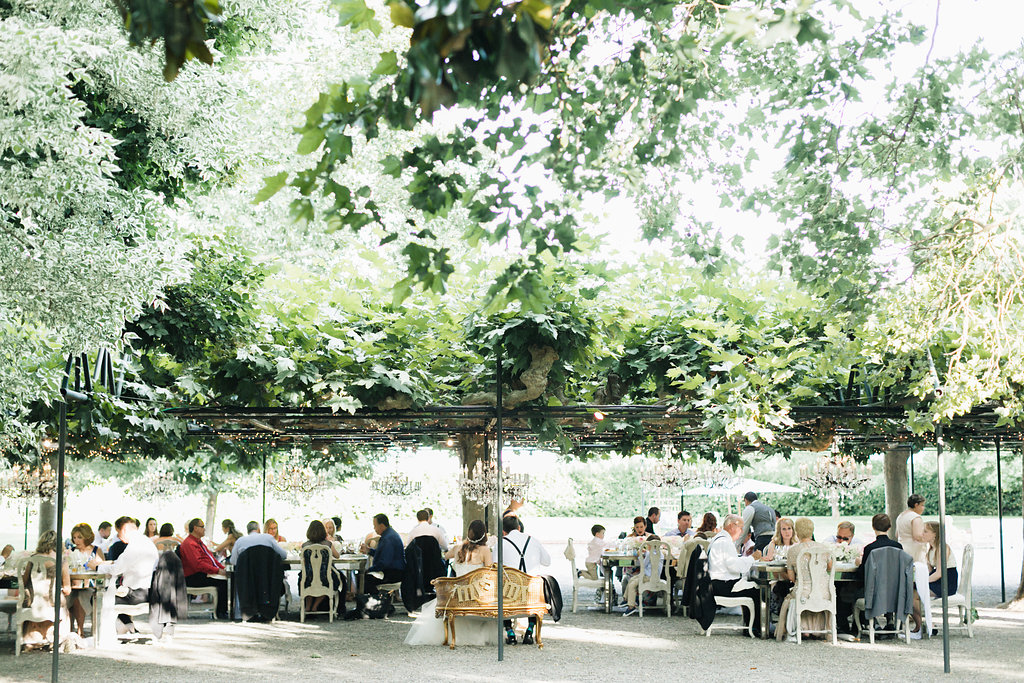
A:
211,511
471,448
896,490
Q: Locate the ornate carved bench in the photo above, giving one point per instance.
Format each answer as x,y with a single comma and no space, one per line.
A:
476,595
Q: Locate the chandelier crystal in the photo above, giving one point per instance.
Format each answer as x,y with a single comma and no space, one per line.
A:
158,483
480,484
395,485
836,475
22,481
296,476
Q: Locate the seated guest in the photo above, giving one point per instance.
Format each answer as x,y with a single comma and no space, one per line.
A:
526,554
931,532
653,517
633,587
332,530
594,550
708,526
104,537
117,546
316,537
683,523
252,538
425,528
82,538
38,626
844,534
639,529
233,534
167,533
850,591
336,534
727,569
5,561
135,565
270,527
784,538
198,563
810,621
151,527
388,557
430,519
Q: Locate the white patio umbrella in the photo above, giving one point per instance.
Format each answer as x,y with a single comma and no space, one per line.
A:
740,487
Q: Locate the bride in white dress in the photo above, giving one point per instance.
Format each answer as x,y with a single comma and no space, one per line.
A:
428,629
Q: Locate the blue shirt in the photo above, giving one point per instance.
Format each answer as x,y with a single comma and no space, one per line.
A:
389,553
246,542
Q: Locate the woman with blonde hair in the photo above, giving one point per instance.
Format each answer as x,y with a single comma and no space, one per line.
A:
784,538
39,595
931,532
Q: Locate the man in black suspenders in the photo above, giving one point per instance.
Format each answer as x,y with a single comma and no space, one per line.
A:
524,553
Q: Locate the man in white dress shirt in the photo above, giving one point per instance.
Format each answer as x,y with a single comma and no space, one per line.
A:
135,565
526,554
425,528
727,569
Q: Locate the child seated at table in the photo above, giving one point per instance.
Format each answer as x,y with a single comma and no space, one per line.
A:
594,549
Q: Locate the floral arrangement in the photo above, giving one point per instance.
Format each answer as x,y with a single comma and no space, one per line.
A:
847,554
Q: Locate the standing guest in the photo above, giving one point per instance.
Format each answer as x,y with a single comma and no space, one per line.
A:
425,528
134,565
523,553
708,526
931,532
316,537
200,566
653,517
683,522
910,532
758,521
151,527
82,537
104,538
726,568
233,534
388,557
270,527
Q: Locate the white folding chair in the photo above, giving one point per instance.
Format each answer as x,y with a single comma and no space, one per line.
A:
579,581
962,599
38,568
213,606
725,601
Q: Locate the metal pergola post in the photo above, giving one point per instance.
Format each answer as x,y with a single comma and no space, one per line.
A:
999,505
501,518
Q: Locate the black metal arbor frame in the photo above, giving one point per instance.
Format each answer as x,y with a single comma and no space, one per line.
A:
596,427
588,426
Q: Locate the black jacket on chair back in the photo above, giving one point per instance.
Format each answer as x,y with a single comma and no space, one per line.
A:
259,582
168,600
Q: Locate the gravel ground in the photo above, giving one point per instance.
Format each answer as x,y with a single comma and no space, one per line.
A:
587,646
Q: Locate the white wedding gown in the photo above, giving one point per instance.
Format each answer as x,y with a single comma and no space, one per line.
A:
429,630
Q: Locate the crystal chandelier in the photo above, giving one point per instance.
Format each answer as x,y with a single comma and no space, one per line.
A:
836,475
157,483
717,475
481,483
671,473
22,481
295,476
395,485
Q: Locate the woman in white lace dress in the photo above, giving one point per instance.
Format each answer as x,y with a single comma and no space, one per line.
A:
472,554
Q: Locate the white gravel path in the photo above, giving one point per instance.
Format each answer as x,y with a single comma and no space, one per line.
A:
588,646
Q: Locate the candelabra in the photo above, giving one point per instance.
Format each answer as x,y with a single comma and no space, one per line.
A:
835,476
295,476
157,483
395,485
26,482
480,484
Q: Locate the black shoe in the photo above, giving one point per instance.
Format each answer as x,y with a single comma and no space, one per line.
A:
885,636
510,638
528,638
